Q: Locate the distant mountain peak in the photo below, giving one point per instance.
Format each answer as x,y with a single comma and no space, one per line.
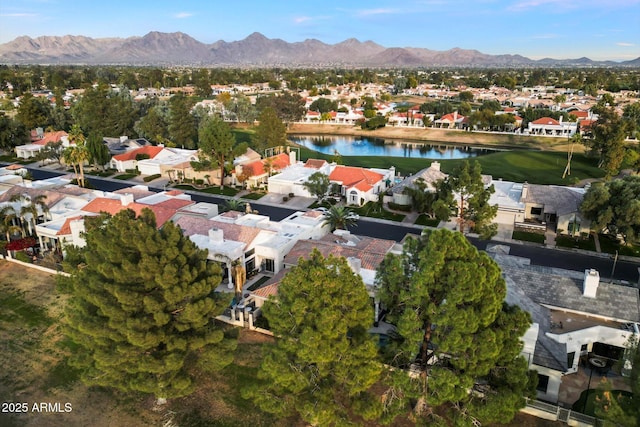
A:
161,48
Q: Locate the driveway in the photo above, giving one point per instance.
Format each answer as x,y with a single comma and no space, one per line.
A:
296,202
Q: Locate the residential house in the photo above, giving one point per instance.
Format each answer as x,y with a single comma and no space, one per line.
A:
39,140
555,206
364,255
129,159
291,179
430,176
548,126
257,173
123,144
576,318
251,240
450,121
360,185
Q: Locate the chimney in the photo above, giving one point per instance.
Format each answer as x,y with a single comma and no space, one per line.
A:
216,235
591,281
126,199
123,138
292,157
435,166
355,264
525,191
455,116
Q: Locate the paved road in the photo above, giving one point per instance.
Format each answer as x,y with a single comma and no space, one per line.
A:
624,270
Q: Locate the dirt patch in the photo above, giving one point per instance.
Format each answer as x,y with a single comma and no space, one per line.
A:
35,373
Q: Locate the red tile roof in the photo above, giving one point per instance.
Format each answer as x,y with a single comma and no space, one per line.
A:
370,251
51,137
267,291
258,168
14,167
579,114
546,121
174,203
234,232
349,176
65,230
113,206
315,163
150,150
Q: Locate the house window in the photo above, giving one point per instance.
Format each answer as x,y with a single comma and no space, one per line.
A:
353,196
269,265
536,211
249,253
573,227
543,383
570,358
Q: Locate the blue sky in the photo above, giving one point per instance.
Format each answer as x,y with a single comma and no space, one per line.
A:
598,29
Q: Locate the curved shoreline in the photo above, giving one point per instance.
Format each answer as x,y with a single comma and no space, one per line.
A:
435,136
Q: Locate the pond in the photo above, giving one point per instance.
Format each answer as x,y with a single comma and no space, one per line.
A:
363,146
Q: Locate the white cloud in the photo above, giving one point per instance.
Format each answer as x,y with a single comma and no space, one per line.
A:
624,44
18,15
183,15
301,19
379,11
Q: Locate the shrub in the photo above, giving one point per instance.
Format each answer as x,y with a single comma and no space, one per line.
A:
151,177
142,156
22,256
199,181
285,199
397,207
290,195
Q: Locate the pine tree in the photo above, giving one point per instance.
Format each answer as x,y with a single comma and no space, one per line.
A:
474,210
447,301
183,129
141,307
323,362
217,143
271,132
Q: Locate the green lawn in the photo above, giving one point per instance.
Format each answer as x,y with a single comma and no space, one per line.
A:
426,221
535,167
610,246
126,176
373,210
528,237
253,196
587,244
226,191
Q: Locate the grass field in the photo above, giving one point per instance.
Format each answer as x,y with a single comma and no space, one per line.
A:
535,167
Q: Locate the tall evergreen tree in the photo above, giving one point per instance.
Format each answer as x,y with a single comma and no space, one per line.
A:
474,210
607,142
98,152
271,132
34,112
141,306
182,124
217,143
323,362
447,301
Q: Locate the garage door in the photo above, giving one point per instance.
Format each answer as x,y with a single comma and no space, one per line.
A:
506,218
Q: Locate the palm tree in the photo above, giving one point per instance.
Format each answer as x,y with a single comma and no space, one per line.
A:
31,208
78,154
234,205
8,218
339,217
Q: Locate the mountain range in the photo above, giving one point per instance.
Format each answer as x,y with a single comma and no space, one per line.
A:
156,48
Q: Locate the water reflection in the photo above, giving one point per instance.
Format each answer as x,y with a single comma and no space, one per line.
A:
362,146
